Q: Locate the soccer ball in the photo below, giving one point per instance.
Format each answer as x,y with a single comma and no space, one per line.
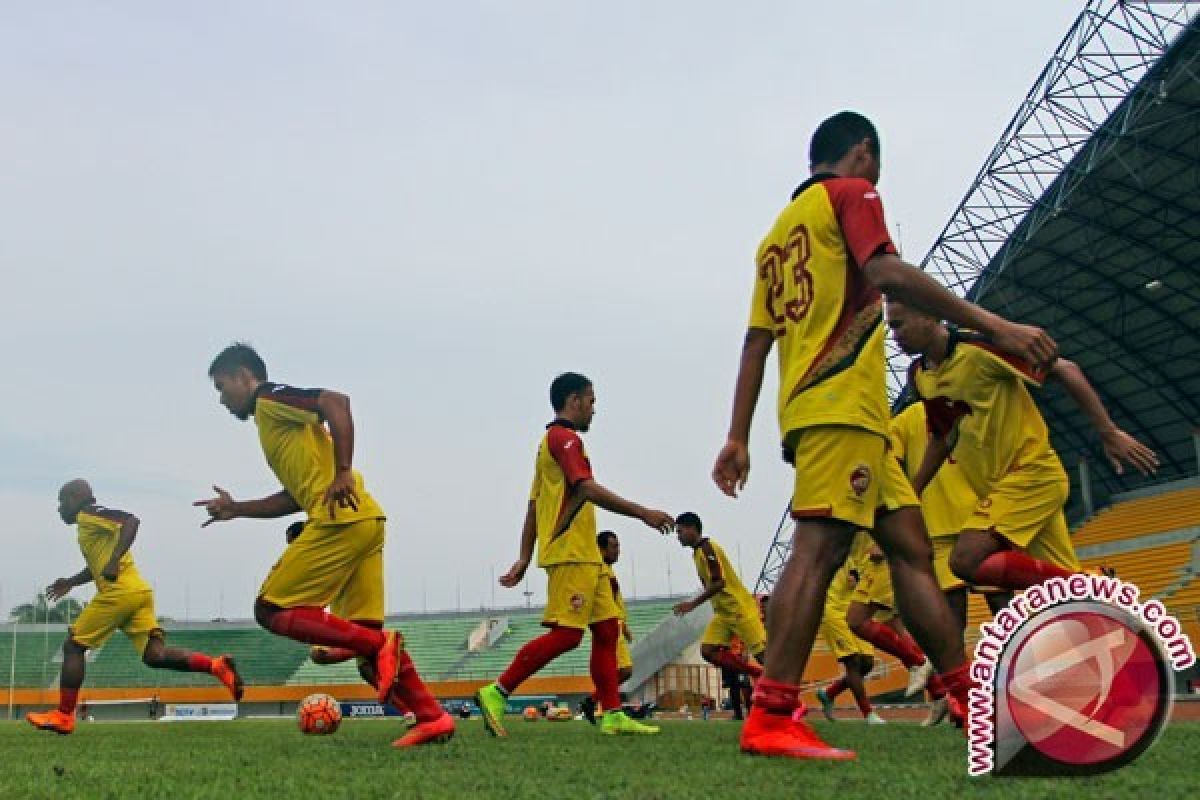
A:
318,714
531,714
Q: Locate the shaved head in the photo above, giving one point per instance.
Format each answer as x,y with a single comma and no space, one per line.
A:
72,497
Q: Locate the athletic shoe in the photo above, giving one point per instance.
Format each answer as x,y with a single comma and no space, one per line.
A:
491,705
225,670
588,709
387,663
918,678
617,723
53,720
826,704
800,712
937,712
874,719
780,736
438,730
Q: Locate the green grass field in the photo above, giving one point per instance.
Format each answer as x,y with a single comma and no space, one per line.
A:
269,758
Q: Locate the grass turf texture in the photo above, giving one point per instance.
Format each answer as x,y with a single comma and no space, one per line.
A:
270,758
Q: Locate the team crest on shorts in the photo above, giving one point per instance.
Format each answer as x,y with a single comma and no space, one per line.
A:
576,601
860,479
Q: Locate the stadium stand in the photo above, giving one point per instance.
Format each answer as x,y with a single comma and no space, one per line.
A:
1155,514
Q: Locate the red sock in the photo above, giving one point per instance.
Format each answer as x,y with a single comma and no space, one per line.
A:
67,698
725,658
864,704
313,625
835,688
887,640
958,683
412,693
1012,569
198,662
536,654
776,697
935,688
603,664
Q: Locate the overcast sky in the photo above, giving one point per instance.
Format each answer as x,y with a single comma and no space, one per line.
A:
434,208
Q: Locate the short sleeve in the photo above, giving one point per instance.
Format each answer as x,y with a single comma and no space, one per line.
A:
710,558
567,450
859,213
760,304
995,363
289,404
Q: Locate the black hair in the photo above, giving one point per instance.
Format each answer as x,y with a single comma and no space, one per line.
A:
835,136
236,356
564,386
691,519
603,537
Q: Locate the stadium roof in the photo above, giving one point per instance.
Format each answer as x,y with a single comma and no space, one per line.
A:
1086,220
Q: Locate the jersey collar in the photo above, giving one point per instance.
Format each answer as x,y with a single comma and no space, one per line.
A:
820,176
951,343
562,423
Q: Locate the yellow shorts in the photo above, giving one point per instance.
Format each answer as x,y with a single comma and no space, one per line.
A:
838,637
577,596
896,492
1028,513
747,627
839,473
337,566
624,656
874,585
132,613
942,547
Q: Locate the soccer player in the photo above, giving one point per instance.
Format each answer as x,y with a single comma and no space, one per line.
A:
123,600
852,652
979,408
307,436
561,519
819,275
610,551
735,611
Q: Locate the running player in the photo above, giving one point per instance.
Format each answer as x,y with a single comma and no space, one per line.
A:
979,408
561,519
123,601
819,276
610,551
735,611
852,652
307,436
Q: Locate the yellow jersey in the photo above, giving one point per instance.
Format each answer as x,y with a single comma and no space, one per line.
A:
996,426
566,526
948,499
99,529
299,451
845,580
711,565
811,295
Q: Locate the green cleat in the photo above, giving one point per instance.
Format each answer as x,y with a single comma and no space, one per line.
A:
492,704
617,723
826,704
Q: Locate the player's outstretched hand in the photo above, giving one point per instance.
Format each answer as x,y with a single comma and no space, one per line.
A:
219,508
59,589
514,575
1121,449
732,468
661,521
340,493
1028,342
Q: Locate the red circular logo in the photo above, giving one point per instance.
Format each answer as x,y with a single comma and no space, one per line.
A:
1085,689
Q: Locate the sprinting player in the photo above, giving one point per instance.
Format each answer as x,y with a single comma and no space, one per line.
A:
561,520
735,611
979,408
307,436
610,551
123,601
820,272
852,652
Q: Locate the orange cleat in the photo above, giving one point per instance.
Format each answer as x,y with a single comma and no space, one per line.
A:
782,736
54,720
386,664
224,670
438,730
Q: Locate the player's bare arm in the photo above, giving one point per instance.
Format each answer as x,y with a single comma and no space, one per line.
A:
129,529
335,409
223,507
516,572
935,455
62,587
1119,446
732,467
908,284
591,491
710,591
